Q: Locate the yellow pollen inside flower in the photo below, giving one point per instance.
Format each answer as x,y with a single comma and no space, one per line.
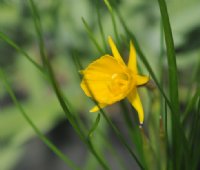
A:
119,83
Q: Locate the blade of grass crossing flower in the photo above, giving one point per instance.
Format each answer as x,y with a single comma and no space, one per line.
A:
89,31
88,138
37,131
119,135
57,90
117,132
144,60
79,67
143,57
122,139
113,19
73,120
20,50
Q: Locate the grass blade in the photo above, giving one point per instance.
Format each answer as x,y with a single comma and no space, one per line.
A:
89,31
37,131
113,19
95,125
16,47
177,130
173,77
101,28
121,138
115,129
143,58
58,92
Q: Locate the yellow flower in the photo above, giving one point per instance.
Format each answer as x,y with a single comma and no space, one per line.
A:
108,80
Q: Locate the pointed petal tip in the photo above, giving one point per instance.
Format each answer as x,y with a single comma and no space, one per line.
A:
94,109
115,51
110,40
134,99
97,108
142,80
132,63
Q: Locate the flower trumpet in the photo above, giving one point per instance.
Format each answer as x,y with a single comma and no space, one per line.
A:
108,80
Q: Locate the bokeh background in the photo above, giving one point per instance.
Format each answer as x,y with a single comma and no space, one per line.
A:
65,35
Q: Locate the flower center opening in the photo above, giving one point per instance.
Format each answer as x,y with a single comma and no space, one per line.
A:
119,83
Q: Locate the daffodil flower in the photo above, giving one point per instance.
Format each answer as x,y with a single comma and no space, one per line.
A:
108,80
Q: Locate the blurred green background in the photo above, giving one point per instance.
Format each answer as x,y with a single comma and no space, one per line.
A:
65,34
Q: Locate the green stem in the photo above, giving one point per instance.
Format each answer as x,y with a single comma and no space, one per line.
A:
68,114
173,78
143,58
15,46
113,19
37,131
101,28
89,31
119,135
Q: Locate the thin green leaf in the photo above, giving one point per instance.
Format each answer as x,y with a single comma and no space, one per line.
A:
38,28
113,19
134,132
143,58
57,90
116,130
197,150
121,138
190,106
173,77
101,28
177,130
20,50
34,127
94,126
89,31
119,157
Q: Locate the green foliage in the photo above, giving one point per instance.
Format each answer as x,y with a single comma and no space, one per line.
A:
43,46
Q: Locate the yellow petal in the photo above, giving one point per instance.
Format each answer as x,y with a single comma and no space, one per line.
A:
96,108
132,63
97,79
115,51
134,99
140,80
